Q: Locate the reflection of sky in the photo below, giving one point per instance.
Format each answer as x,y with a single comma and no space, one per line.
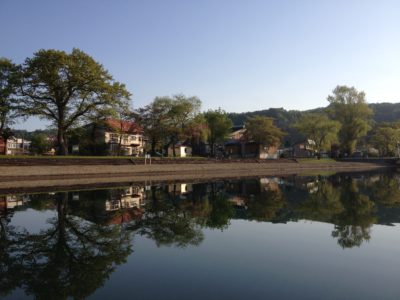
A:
32,220
250,259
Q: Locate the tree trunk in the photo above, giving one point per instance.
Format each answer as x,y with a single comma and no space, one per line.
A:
62,143
153,147
5,139
173,150
212,146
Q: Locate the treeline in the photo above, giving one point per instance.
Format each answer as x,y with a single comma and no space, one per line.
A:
382,125
72,89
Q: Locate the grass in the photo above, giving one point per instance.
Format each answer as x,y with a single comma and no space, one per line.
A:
88,157
315,160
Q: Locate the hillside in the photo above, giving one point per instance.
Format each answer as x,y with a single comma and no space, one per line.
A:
383,112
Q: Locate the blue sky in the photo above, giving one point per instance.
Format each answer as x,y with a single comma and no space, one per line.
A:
237,55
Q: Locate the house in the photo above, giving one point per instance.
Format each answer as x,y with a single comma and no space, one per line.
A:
304,148
181,150
121,137
131,197
238,146
16,146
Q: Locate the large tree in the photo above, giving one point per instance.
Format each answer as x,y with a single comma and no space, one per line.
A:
320,129
8,85
167,120
182,113
154,120
219,126
385,138
349,107
67,88
263,131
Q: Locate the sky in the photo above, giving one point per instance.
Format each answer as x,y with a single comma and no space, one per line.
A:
237,55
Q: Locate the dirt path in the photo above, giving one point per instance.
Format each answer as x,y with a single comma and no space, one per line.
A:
21,178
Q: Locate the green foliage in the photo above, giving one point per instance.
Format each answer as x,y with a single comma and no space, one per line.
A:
320,129
385,138
348,106
154,118
39,144
67,89
9,81
263,131
166,120
218,127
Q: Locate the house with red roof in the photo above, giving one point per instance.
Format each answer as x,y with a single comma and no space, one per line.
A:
121,137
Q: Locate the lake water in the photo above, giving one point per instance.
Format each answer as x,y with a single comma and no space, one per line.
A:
304,237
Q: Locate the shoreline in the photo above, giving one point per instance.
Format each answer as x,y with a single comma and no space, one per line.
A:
31,178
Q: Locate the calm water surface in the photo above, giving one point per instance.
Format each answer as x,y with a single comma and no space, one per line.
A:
310,237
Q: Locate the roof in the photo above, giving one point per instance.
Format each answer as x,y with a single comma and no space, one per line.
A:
307,141
121,125
237,128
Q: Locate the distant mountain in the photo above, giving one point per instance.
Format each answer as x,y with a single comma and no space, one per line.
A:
386,112
383,112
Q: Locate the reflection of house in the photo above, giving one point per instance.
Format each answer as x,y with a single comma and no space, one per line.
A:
12,201
306,183
130,198
15,146
270,184
122,137
179,188
181,150
304,148
237,146
238,201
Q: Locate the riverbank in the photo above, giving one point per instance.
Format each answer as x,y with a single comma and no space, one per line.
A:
30,177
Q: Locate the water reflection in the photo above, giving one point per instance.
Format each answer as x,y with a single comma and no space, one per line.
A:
92,231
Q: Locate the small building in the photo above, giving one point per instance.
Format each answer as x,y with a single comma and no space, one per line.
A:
17,146
238,146
243,149
181,150
121,137
305,148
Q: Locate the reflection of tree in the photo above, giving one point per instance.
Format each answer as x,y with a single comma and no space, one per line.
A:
265,205
386,191
167,224
221,213
352,226
322,205
7,274
72,258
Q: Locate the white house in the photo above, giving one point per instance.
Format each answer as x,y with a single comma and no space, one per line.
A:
181,150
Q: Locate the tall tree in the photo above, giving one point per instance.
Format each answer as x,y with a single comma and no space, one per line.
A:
40,144
385,138
67,88
154,118
262,130
219,126
320,129
348,106
8,85
183,111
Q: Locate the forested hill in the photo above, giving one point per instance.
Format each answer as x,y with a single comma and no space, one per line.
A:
383,112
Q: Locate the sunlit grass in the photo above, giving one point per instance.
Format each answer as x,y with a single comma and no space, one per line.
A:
90,157
315,160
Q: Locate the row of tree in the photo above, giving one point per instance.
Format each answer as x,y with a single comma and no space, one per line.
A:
347,121
72,89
